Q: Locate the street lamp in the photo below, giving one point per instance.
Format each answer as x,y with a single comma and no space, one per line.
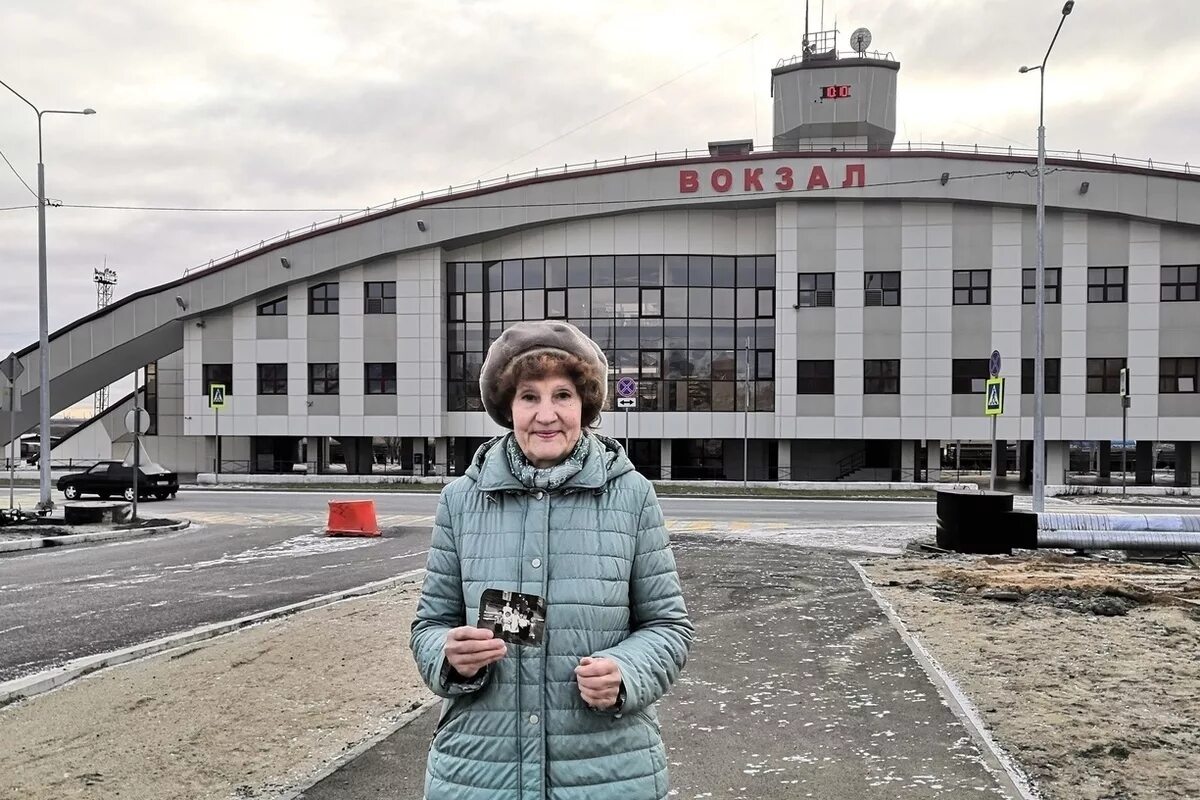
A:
1039,358
45,504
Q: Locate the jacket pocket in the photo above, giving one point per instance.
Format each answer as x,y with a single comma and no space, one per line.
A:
644,716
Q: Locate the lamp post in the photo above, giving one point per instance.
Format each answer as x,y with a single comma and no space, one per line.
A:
45,504
1039,358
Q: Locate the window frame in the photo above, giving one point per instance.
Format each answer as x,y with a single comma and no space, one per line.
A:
272,382
812,297
381,384
810,377
884,292
978,370
224,379
1109,377
278,308
1029,288
1178,284
972,287
326,380
387,303
1053,376
882,385
1106,287
329,305
1182,367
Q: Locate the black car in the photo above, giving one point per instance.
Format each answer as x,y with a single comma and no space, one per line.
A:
110,478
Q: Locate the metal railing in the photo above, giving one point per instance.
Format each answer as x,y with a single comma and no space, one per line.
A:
823,147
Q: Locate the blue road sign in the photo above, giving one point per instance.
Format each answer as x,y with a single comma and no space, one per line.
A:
627,387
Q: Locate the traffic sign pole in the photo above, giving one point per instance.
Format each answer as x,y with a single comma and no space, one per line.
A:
1124,424
136,449
12,439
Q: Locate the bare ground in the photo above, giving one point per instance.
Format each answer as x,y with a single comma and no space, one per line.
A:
247,715
1086,671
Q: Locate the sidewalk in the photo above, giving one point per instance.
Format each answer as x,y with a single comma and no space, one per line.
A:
798,686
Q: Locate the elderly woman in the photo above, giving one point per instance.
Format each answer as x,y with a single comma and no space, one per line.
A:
555,511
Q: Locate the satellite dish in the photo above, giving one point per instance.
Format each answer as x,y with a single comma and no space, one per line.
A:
860,40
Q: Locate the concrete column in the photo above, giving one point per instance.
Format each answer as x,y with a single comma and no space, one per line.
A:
933,460
1026,450
1104,464
664,458
359,457
785,459
908,459
418,449
1001,458
1144,471
1183,463
441,446
1056,463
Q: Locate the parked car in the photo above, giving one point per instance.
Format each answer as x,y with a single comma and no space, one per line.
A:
109,478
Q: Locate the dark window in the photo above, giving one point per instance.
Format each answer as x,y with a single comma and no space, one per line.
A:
1053,376
151,397
272,379
379,297
969,375
972,287
379,378
881,376
220,374
275,308
1029,286
322,378
323,299
1181,284
1107,284
1104,375
764,365
814,377
456,307
814,289
881,289
1178,375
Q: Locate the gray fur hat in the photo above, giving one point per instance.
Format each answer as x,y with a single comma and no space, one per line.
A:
522,338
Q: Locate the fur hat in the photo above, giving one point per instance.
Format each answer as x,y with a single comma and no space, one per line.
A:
522,338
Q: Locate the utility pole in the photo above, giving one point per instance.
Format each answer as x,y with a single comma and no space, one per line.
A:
105,280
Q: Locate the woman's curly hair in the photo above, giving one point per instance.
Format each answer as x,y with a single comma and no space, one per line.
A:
541,364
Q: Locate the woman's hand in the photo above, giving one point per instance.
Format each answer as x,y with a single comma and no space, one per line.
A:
599,682
470,649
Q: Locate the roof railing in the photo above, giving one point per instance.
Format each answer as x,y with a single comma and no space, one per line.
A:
824,146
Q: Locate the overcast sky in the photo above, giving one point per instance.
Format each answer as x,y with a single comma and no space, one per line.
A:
324,104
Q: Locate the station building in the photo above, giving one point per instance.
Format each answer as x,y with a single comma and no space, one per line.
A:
828,302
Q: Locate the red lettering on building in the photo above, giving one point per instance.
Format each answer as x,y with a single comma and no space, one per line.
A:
785,179
752,179
722,180
856,175
689,181
817,179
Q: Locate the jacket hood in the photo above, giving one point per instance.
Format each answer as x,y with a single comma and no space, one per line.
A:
605,461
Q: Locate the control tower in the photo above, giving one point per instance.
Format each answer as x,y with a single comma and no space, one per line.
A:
826,100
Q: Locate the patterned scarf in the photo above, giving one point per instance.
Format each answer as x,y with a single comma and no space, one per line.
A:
549,478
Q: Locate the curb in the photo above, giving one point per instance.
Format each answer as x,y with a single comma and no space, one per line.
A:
1002,765
358,750
46,680
81,538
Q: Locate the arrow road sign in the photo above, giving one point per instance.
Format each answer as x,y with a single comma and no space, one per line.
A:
626,402
993,404
627,387
216,395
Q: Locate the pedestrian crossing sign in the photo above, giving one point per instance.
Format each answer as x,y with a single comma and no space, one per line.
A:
216,395
993,403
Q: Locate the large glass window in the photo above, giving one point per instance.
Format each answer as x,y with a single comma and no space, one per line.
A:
1107,284
322,378
1178,375
814,377
972,287
814,289
379,297
1053,376
221,374
969,375
379,378
1029,285
881,289
272,379
323,299
1104,375
881,376
680,323
275,308
1181,284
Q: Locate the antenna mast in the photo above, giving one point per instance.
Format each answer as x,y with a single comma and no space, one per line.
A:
105,280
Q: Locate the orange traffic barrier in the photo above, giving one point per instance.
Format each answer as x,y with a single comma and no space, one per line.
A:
352,518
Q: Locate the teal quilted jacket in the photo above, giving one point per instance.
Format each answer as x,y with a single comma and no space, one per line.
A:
597,550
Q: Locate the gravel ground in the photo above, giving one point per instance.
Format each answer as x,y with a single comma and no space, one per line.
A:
1086,671
243,716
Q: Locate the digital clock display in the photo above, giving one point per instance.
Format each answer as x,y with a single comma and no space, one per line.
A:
835,92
